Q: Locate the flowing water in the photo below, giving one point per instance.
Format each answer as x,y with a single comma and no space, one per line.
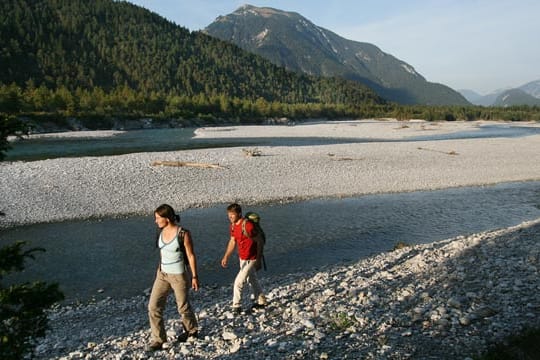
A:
117,257
181,139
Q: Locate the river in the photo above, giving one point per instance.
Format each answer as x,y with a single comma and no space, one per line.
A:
117,257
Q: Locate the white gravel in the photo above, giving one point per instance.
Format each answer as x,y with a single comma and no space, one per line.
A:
446,300
74,188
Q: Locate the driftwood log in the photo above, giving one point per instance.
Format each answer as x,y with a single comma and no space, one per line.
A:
183,163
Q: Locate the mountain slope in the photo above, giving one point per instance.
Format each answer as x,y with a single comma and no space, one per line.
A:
532,88
290,40
483,100
516,97
471,95
81,44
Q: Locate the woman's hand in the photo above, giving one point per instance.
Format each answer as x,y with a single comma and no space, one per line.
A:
195,283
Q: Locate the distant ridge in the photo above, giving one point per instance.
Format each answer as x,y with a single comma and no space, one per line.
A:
288,39
532,88
527,94
516,97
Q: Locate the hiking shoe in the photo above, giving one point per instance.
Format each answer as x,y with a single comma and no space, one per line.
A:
237,310
261,300
257,306
154,346
185,336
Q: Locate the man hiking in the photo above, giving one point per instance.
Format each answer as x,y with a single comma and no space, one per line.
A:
244,236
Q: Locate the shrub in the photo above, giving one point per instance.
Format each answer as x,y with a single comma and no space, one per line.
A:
22,306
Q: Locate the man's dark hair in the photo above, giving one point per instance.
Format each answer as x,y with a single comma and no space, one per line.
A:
234,207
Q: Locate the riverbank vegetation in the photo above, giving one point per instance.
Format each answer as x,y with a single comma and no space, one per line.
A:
97,109
22,306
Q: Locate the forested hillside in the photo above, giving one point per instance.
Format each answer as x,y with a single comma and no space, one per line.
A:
102,60
81,45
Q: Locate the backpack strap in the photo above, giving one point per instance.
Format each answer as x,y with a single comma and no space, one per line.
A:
244,231
181,247
181,233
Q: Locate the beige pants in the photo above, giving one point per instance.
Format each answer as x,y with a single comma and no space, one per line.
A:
179,283
248,274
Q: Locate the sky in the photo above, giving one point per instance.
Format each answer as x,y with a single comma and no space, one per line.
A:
480,45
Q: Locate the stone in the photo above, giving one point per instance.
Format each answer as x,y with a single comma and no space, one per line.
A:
439,316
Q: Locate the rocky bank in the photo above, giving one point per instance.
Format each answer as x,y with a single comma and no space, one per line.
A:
447,300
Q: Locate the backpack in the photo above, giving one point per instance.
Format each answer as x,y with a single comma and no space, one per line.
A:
254,218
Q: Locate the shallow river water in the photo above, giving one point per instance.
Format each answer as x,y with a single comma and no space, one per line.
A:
116,257
180,139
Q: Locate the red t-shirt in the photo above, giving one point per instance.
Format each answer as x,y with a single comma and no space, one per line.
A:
247,248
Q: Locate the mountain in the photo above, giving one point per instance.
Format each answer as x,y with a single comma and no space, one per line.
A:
523,95
483,100
532,88
106,44
288,39
516,97
471,95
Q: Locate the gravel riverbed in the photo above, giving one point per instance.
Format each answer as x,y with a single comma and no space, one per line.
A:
80,188
445,300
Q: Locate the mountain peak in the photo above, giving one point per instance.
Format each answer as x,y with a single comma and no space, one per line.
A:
532,88
247,9
290,40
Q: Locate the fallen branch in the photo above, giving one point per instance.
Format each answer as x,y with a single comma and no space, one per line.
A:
342,158
442,152
183,163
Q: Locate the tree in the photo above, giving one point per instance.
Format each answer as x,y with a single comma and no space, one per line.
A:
22,306
9,126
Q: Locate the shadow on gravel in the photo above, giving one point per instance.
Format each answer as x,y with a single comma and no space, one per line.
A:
441,301
478,296
444,303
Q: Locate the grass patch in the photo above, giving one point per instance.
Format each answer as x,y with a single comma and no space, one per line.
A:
401,245
341,322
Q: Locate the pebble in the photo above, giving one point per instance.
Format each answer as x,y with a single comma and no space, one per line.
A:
385,309
445,300
101,187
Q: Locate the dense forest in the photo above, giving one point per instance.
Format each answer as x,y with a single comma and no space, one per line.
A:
107,59
98,108
84,45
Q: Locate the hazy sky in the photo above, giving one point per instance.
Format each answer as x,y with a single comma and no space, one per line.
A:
482,45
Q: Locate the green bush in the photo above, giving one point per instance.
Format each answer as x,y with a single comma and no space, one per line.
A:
9,125
22,306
